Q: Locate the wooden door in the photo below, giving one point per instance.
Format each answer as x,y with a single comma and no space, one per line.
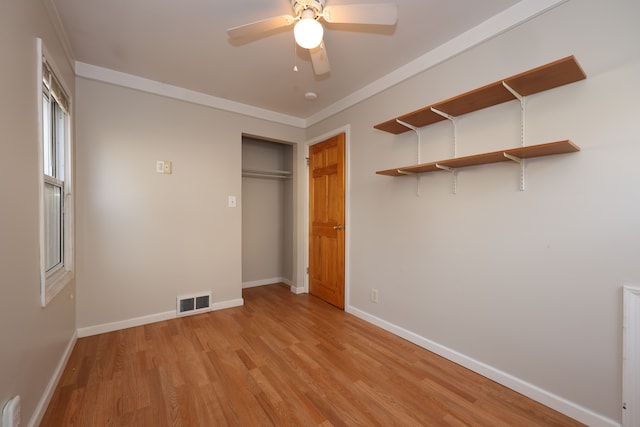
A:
327,219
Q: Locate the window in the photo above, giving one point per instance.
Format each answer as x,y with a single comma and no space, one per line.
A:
56,225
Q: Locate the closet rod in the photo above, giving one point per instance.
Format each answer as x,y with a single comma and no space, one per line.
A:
266,174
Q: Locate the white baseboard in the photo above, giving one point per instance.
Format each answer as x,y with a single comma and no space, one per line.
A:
124,324
297,290
263,282
144,320
271,281
42,405
227,304
551,400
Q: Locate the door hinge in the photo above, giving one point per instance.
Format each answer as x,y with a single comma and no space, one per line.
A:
307,270
308,160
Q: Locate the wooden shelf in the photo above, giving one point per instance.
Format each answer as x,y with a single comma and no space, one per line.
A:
549,76
548,149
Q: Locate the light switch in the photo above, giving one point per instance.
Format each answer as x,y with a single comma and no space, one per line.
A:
232,202
163,166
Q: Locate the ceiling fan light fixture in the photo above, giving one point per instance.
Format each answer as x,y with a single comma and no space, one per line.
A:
308,32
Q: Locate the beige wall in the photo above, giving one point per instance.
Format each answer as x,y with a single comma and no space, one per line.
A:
32,339
528,283
145,238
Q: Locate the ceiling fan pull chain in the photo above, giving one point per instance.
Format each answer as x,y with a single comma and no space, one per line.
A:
295,57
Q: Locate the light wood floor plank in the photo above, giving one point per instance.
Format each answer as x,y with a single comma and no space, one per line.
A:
280,360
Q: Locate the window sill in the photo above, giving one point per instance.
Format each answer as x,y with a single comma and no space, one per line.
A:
55,284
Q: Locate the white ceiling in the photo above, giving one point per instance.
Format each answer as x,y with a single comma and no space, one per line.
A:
184,43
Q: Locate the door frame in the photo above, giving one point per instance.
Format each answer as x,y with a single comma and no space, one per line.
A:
347,207
630,354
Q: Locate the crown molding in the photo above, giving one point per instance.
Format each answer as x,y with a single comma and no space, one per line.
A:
54,17
93,72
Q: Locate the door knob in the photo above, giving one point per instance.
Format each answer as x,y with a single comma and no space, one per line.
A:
338,227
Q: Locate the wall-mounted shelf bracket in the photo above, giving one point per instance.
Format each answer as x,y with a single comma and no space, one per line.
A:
523,103
417,131
454,173
401,172
445,168
452,119
512,157
513,91
521,162
407,125
523,141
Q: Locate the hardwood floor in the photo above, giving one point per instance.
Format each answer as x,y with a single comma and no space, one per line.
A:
282,360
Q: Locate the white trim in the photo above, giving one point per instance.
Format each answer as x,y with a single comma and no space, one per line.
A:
151,318
54,284
54,17
41,242
263,282
124,324
222,305
59,75
130,81
298,290
631,355
43,403
547,398
50,286
498,24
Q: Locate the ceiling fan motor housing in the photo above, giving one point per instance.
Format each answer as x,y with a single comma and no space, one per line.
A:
300,6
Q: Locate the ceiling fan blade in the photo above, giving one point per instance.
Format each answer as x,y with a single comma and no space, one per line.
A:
258,27
320,60
374,13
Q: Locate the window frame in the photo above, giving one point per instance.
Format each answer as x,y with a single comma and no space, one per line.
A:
54,280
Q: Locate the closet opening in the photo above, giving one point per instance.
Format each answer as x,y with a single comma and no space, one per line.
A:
267,212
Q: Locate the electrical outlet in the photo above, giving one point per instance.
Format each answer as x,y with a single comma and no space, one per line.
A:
163,166
374,295
167,167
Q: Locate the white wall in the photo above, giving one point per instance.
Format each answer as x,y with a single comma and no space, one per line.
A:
145,238
33,340
528,283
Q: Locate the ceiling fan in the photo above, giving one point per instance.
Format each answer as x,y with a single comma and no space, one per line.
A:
308,31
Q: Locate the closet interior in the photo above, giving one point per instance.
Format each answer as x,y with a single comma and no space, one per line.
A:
267,212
